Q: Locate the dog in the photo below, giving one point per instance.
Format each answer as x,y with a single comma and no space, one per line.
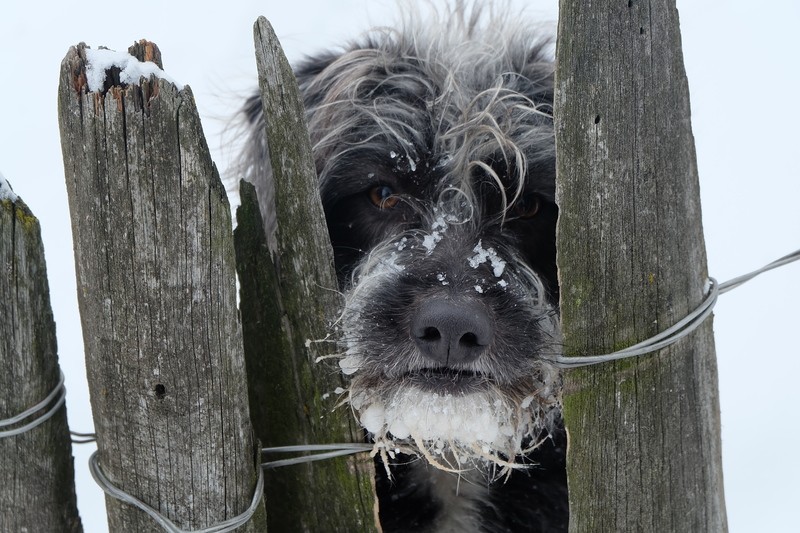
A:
434,147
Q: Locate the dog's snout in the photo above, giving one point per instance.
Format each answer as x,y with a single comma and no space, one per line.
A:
451,332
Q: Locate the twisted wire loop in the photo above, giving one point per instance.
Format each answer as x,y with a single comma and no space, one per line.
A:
331,450
679,330
59,394
168,525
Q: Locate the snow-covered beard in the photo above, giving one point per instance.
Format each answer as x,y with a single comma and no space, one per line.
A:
453,431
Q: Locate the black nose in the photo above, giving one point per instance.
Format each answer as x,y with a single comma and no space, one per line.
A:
451,332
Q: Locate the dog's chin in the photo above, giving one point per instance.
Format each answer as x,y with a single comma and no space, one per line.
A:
442,413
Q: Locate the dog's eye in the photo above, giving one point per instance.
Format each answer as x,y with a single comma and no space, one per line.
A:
527,206
383,196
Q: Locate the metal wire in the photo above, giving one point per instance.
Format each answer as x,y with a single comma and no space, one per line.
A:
678,331
59,393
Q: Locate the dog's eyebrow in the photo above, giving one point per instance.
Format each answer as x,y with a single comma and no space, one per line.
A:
337,186
367,168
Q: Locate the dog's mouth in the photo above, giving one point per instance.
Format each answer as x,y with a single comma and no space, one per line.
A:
443,379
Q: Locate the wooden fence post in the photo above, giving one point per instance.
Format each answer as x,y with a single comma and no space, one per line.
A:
156,287
37,491
287,315
644,449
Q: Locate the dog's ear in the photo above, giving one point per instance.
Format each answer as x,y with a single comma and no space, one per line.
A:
306,72
311,66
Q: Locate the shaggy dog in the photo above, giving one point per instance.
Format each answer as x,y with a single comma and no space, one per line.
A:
435,154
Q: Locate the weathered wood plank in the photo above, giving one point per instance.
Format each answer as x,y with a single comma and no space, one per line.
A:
644,451
37,491
156,287
296,303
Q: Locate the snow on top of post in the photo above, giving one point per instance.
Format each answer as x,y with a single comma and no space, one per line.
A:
131,69
6,192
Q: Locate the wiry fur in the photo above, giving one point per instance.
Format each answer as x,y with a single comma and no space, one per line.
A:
451,120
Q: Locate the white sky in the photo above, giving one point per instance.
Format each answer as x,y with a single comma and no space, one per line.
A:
744,80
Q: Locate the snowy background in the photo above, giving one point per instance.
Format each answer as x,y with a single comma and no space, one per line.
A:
741,58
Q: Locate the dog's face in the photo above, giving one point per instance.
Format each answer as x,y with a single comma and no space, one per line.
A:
436,166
